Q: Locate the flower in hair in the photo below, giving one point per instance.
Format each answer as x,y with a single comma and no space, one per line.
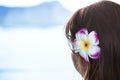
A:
87,44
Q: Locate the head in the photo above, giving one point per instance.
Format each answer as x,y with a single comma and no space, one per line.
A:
104,18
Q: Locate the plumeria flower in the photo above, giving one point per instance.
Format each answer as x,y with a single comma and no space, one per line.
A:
87,44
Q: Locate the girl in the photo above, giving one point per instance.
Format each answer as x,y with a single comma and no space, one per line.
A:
94,35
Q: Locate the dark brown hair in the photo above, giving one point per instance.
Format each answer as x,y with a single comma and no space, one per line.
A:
104,18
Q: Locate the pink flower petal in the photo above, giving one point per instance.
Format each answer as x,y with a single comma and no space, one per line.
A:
76,46
82,34
84,55
94,52
85,60
96,37
83,31
93,38
96,55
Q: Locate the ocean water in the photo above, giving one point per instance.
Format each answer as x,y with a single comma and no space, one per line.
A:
35,54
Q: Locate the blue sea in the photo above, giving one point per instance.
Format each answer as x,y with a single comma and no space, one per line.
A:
35,54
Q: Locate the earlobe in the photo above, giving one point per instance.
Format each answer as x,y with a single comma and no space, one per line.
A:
80,65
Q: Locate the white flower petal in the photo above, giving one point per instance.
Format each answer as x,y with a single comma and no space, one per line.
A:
82,34
94,52
84,55
93,38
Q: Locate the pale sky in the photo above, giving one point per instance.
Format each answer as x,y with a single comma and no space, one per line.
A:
71,5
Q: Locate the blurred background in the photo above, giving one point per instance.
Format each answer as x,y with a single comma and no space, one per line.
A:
32,40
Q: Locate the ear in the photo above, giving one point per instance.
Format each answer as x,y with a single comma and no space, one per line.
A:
80,65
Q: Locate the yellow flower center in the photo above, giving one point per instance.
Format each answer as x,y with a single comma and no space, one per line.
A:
84,45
